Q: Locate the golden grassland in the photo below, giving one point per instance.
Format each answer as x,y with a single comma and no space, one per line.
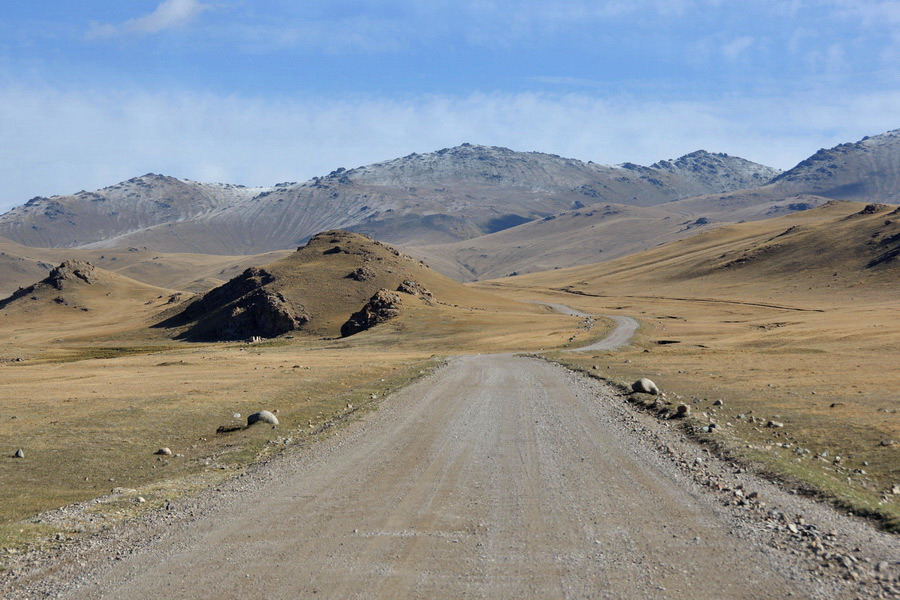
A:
816,350
99,391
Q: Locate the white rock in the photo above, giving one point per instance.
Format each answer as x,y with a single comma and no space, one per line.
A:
645,386
262,416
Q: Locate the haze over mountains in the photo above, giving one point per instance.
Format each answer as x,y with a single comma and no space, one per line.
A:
472,211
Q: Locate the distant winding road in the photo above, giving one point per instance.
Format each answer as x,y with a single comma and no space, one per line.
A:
618,337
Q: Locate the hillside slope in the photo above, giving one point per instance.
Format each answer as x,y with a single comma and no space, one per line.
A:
317,288
824,255
867,170
599,233
76,301
22,265
133,205
719,172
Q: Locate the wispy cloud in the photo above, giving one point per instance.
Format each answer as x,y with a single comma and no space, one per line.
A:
734,48
62,141
168,15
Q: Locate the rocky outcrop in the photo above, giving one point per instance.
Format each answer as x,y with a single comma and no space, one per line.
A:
240,309
414,288
381,307
71,270
261,313
361,274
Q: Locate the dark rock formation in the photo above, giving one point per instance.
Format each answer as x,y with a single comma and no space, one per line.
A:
414,288
362,274
381,307
69,271
240,309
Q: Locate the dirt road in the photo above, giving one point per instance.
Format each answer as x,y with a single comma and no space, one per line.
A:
497,477
618,337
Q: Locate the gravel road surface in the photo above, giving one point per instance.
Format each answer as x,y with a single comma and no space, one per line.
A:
497,477
618,337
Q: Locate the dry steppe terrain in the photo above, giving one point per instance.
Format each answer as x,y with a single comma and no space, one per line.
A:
767,311
93,386
793,320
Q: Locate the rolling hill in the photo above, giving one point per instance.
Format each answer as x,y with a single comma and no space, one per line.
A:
827,254
317,288
22,265
598,233
78,301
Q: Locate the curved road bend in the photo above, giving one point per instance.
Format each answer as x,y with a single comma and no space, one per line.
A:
497,477
618,337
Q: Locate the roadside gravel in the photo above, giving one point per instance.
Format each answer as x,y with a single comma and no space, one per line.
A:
497,477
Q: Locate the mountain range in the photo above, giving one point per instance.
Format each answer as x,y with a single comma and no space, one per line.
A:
471,211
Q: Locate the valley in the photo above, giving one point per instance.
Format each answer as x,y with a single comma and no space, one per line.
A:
401,322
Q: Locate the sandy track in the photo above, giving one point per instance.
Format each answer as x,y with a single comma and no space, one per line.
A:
499,477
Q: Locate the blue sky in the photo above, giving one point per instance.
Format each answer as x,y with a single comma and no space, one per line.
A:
258,92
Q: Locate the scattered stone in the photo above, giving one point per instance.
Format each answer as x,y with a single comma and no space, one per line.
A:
775,424
645,386
874,208
718,403
236,415
164,452
19,453
140,499
362,274
262,416
683,410
414,288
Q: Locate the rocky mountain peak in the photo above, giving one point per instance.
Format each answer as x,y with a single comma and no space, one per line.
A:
718,170
868,169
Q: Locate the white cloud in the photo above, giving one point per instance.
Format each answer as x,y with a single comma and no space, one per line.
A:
168,15
60,142
734,48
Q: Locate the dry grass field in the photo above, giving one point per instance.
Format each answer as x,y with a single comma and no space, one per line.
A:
792,320
98,389
23,265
